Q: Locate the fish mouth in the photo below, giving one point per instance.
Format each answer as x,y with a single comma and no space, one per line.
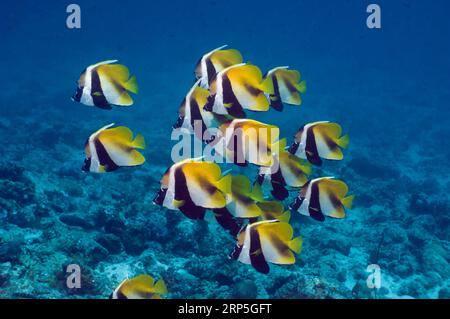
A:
293,148
159,198
76,97
295,205
178,123
86,165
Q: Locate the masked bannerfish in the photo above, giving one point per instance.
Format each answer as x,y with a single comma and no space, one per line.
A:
236,88
318,140
266,242
287,170
322,197
192,186
286,87
192,116
243,141
215,61
105,84
140,287
112,147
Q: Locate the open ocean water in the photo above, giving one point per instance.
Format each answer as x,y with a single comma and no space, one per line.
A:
388,88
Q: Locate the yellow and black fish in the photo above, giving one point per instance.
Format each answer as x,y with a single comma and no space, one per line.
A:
287,170
192,186
215,61
239,87
105,84
192,116
112,147
318,140
322,197
286,87
140,287
243,141
264,242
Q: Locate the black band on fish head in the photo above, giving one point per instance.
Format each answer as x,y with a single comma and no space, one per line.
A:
159,198
209,103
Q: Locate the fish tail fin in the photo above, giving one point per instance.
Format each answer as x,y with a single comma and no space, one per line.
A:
296,244
285,217
267,85
348,201
279,146
257,193
160,287
301,87
131,85
224,184
139,141
343,141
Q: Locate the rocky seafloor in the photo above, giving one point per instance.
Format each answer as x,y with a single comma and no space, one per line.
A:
52,214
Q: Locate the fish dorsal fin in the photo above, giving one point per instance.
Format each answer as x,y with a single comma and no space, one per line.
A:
328,130
119,74
119,134
334,186
226,58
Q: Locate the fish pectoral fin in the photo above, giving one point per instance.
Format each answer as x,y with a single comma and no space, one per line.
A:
225,58
256,252
178,203
101,169
97,93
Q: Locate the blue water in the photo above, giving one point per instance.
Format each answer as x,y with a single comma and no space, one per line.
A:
389,89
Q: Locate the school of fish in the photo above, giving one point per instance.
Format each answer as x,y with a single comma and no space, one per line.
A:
215,111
